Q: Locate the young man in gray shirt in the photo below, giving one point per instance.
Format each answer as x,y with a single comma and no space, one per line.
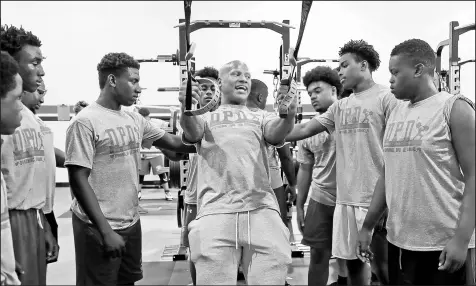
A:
103,158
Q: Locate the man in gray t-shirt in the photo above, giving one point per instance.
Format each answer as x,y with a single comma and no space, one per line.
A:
358,124
238,219
317,171
103,158
257,100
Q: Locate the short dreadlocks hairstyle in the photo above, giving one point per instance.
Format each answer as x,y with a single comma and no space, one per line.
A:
325,74
207,72
116,64
9,69
363,52
418,51
79,105
13,39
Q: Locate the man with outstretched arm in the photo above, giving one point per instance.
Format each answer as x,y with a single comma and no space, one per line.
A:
102,156
358,123
238,216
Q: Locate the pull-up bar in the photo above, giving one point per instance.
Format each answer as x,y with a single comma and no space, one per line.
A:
281,28
173,58
235,24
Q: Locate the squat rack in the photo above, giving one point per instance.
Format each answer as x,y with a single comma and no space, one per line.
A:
453,77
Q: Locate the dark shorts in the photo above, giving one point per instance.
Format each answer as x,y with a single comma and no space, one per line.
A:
29,245
50,217
190,213
420,268
93,267
318,225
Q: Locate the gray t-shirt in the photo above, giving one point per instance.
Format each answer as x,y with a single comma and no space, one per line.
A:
359,125
49,182
233,162
23,164
108,142
320,151
424,184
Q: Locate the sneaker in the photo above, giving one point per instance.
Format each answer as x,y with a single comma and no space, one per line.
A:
168,196
142,210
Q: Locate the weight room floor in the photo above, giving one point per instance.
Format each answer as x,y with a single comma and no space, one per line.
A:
159,229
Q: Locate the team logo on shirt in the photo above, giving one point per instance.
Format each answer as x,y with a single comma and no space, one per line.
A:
124,141
404,136
28,146
45,130
234,119
355,120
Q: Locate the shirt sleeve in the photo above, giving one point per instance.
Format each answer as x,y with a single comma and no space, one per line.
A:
389,102
327,119
151,132
80,144
304,155
205,118
267,117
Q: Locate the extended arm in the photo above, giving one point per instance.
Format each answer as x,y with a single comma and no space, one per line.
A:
305,130
173,143
173,156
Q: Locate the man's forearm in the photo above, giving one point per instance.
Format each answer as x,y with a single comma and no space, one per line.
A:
304,179
376,209
277,129
467,221
192,126
173,156
289,171
297,133
46,224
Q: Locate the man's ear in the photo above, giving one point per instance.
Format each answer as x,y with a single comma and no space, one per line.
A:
364,65
111,79
419,69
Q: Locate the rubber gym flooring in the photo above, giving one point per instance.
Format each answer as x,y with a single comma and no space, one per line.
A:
159,231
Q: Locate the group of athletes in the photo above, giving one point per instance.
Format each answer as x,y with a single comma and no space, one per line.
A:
391,173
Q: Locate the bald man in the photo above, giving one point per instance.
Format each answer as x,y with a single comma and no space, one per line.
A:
238,219
257,100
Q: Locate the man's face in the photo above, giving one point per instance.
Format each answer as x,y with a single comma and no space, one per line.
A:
207,88
322,95
127,87
33,100
402,77
350,71
31,71
11,106
235,84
